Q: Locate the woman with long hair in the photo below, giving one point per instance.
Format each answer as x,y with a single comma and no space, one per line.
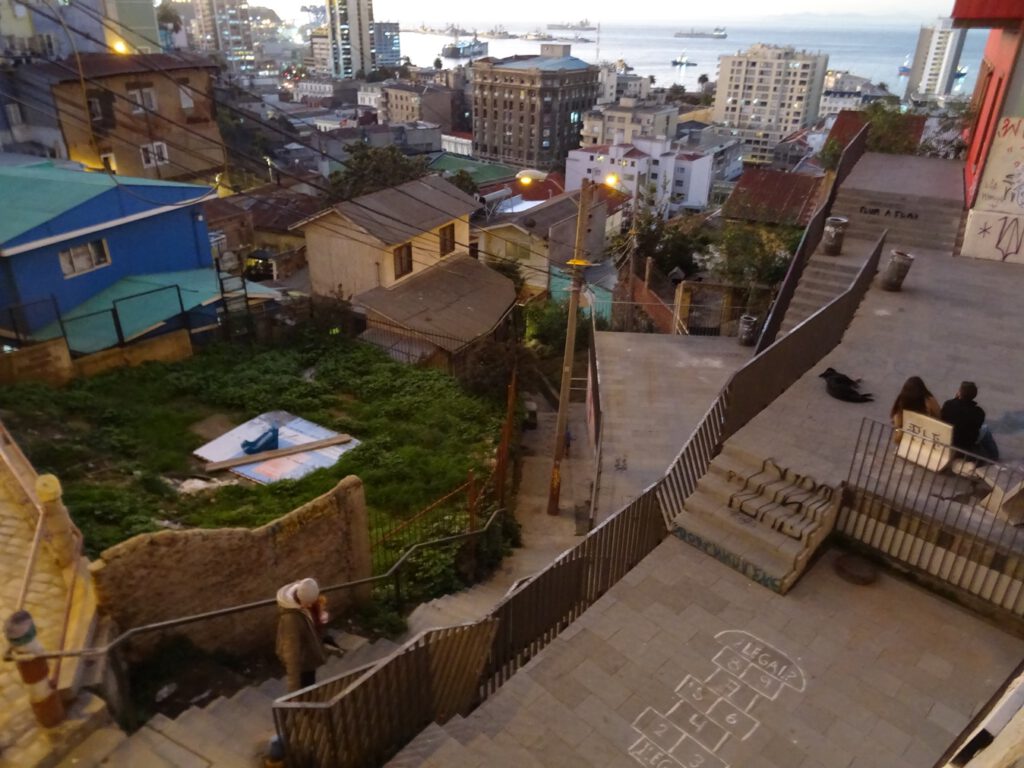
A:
916,397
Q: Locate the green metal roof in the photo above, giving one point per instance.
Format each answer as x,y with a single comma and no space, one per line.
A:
482,173
32,195
90,325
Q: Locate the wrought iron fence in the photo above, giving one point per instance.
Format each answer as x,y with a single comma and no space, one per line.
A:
959,524
445,672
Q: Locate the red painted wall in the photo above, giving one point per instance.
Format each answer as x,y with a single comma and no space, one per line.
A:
987,13
1002,53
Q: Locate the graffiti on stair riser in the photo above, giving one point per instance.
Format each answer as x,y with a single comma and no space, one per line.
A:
889,213
735,562
994,235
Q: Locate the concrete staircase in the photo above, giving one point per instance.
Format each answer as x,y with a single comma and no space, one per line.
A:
914,222
824,278
761,519
226,733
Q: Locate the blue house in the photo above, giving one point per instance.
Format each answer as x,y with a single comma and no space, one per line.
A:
69,237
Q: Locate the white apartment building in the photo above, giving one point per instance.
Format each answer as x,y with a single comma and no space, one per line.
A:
370,95
846,91
933,71
671,176
620,123
350,31
766,93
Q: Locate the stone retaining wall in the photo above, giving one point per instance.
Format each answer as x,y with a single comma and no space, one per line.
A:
159,576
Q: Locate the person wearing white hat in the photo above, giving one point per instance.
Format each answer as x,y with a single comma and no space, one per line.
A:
298,632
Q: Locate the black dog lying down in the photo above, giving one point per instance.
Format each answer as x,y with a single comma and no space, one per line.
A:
842,387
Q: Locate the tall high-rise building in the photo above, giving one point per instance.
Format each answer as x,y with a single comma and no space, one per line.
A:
52,30
934,69
224,26
387,44
350,27
767,92
528,110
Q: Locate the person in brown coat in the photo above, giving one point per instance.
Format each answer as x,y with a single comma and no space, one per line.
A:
299,646
916,397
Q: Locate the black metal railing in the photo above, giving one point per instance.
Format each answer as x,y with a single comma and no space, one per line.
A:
942,511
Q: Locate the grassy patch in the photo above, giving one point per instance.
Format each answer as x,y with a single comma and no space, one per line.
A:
112,439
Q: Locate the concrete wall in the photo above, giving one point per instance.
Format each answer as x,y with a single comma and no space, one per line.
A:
51,362
158,576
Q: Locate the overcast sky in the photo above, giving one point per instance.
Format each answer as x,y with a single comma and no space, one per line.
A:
539,12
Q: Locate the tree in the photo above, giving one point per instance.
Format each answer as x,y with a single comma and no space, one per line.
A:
167,16
665,242
753,257
830,154
438,64
464,181
370,169
892,131
702,80
511,270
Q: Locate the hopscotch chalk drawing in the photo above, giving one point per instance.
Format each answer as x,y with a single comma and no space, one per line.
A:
711,711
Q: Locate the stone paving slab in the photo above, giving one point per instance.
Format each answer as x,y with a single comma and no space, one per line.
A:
654,389
941,327
686,658
926,177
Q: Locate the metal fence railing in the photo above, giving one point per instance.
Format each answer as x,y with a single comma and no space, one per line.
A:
958,522
809,242
447,671
754,386
315,733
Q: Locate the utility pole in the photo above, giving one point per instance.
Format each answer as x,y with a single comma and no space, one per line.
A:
577,262
634,213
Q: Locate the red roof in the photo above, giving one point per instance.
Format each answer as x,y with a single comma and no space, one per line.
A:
773,197
847,125
636,153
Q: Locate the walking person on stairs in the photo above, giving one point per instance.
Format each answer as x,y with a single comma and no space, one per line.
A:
300,623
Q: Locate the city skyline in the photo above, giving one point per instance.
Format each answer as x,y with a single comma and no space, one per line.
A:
536,13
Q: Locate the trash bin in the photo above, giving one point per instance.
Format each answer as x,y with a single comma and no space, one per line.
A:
896,270
529,415
835,230
748,330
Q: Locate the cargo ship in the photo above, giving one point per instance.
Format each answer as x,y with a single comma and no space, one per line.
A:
465,49
718,33
579,26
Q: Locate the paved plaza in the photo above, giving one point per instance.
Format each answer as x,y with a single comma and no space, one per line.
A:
687,663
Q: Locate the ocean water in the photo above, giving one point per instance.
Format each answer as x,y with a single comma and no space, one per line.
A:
875,52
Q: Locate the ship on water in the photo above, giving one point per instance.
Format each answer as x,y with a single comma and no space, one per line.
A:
718,33
583,25
465,49
683,61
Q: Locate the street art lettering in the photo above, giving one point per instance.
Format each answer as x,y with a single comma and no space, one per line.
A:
712,711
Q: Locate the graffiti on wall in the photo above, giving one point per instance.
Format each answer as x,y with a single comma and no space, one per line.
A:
995,226
994,235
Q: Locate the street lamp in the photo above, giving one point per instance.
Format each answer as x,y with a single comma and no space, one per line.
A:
528,176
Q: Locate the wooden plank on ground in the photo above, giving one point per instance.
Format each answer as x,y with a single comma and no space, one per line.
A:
254,458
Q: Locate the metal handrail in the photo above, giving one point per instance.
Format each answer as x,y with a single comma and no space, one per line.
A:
391,573
6,440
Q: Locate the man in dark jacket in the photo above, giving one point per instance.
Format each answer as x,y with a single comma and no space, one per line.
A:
970,433
298,632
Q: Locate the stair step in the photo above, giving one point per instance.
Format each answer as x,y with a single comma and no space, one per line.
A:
832,267
206,727
94,749
139,751
249,712
212,750
766,507
755,562
734,449
744,531
273,688
433,742
812,292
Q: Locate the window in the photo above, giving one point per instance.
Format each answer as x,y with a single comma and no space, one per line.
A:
144,98
13,114
153,154
84,257
185,95
95,109
447,238
109,162
403,260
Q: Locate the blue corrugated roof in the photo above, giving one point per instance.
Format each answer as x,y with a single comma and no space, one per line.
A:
546,63
32,195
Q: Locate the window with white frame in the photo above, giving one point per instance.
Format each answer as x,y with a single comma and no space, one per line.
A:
144,99
184,95
95,109
84,257
153,154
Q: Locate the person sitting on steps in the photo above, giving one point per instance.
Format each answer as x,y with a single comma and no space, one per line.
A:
970,432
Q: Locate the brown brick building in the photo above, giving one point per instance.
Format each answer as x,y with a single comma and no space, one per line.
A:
144,115
528,110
